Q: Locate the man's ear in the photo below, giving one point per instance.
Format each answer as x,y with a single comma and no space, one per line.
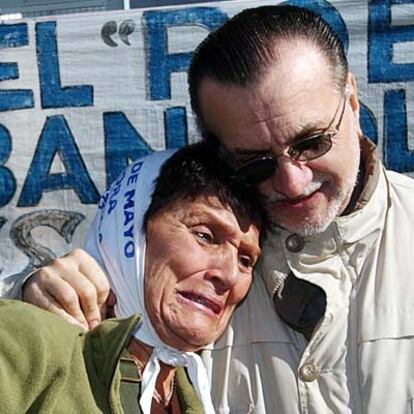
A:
351,86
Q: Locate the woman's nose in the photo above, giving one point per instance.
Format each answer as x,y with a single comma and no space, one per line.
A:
291,177
224,271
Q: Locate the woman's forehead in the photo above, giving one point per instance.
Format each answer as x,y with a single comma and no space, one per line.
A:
210,208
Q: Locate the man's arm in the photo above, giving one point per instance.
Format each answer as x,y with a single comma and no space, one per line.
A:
73,286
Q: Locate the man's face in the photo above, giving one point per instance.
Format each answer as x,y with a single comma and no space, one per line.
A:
198,266
294,99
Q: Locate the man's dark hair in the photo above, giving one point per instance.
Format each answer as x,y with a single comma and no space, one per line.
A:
198,171
242,49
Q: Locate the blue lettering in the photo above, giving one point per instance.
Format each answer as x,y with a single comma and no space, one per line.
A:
7,180
129,203
162,64
112,205
329,13
136,167
119,180
117,187
129,249
116,190
397,155
368,123
122,143
381,38
103,200
175,122
128,217
52,94
132,179
129,232
13,35
56,139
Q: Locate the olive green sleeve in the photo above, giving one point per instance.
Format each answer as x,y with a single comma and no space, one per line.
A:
36,358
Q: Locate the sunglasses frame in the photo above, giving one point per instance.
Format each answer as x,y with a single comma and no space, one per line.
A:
269,160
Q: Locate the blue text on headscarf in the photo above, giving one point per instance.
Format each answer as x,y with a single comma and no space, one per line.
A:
129,207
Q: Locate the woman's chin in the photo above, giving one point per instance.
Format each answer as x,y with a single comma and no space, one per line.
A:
189,338
190,328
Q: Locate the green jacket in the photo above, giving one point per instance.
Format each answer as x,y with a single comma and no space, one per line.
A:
50,366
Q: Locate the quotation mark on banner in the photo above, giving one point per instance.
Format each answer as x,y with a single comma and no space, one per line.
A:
110,28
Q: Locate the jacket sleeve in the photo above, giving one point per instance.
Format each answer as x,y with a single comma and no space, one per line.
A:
35,358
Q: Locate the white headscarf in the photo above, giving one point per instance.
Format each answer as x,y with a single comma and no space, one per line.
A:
117,242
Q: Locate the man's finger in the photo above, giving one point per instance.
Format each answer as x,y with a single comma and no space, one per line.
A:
56,309
89,282
67,296
94,273
43,299
77,284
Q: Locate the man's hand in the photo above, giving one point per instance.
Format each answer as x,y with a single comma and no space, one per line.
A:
73,286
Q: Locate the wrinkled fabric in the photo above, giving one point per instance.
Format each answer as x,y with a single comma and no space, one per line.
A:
49,366
360,358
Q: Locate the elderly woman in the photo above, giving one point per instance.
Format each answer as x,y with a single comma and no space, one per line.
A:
181,257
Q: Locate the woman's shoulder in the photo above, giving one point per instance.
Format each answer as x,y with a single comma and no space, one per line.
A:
18,314
27,328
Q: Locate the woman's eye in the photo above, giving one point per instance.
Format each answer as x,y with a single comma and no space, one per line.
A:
204,235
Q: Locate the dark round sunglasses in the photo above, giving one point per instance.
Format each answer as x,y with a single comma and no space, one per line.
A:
257,168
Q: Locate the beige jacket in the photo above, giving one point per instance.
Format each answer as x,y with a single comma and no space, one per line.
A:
360,358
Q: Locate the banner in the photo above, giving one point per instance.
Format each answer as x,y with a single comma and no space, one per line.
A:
83,95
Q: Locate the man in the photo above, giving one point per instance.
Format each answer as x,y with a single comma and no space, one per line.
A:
327,327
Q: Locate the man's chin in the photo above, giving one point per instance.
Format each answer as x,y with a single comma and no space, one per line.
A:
304,229
305,223
310,224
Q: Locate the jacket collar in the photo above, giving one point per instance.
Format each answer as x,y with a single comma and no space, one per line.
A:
106,343
358,229
372,167
366,218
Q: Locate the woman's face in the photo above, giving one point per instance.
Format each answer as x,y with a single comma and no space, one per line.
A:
198,266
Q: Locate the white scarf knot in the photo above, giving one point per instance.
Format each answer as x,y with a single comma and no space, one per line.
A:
189,360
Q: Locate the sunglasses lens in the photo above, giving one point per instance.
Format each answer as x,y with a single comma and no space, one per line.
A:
312,148
257,170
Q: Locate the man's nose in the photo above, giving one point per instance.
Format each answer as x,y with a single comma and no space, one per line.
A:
224,270
291,177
